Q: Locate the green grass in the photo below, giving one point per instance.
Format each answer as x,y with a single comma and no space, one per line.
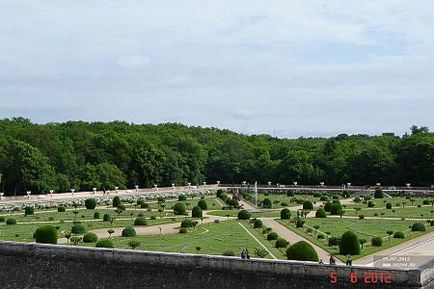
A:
24,232
234,213
396,212
396,202
279,198
364,229
279,253
211,238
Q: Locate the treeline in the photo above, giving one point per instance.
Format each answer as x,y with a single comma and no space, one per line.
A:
81,155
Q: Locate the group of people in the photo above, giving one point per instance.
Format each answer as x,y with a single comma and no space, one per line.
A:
245,254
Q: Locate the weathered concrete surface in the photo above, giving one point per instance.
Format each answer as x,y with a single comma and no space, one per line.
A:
46,266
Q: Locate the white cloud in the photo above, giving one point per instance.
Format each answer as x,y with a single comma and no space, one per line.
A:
295,67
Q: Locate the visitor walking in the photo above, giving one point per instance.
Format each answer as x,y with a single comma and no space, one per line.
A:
332,260
349,260
243,254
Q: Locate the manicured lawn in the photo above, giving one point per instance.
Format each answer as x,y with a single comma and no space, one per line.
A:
24,232
211,238
398,212
83,214
364,229
234,213
278,199
395,201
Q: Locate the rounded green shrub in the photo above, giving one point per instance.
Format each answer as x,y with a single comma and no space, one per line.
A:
327,206
105,244
144,205
183,231
187,223
243,215
46,234
335,208
90,204
116,201
90,238
96,215
2,219
302,251
29,210
320,213
197,212
257,224
203,205
179,209
389,206
61,209
272,236
349,244
266,203
182,197
371,204
377,242
140,221
418,227
106,218
399,235
299,223
78,229
285,214
378,194
307,205
128,232
281,243
11,221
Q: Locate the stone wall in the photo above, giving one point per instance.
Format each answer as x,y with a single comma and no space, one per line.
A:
46,266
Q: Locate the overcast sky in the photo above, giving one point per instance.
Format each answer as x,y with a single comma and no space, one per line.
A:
289,68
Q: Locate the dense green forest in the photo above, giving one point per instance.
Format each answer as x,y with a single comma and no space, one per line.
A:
82,155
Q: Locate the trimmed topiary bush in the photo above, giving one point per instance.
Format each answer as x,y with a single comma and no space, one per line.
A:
46,234
106,218
377,242
378,194
389,206
128,232
61,209
418,227
2,219
285,214
203,205
11,221
371,204
78,229
105,244
90,204
257,224
29,210
116,201
299,223
182,198
140,221
307,205
320,213
302,251
96,215
266,203
399,235
187,223
272,236
335,208
90,238
243,215
327,206
349,244
144,205
281,243
197,212
179,209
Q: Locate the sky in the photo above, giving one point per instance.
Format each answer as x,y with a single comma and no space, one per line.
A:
287,68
